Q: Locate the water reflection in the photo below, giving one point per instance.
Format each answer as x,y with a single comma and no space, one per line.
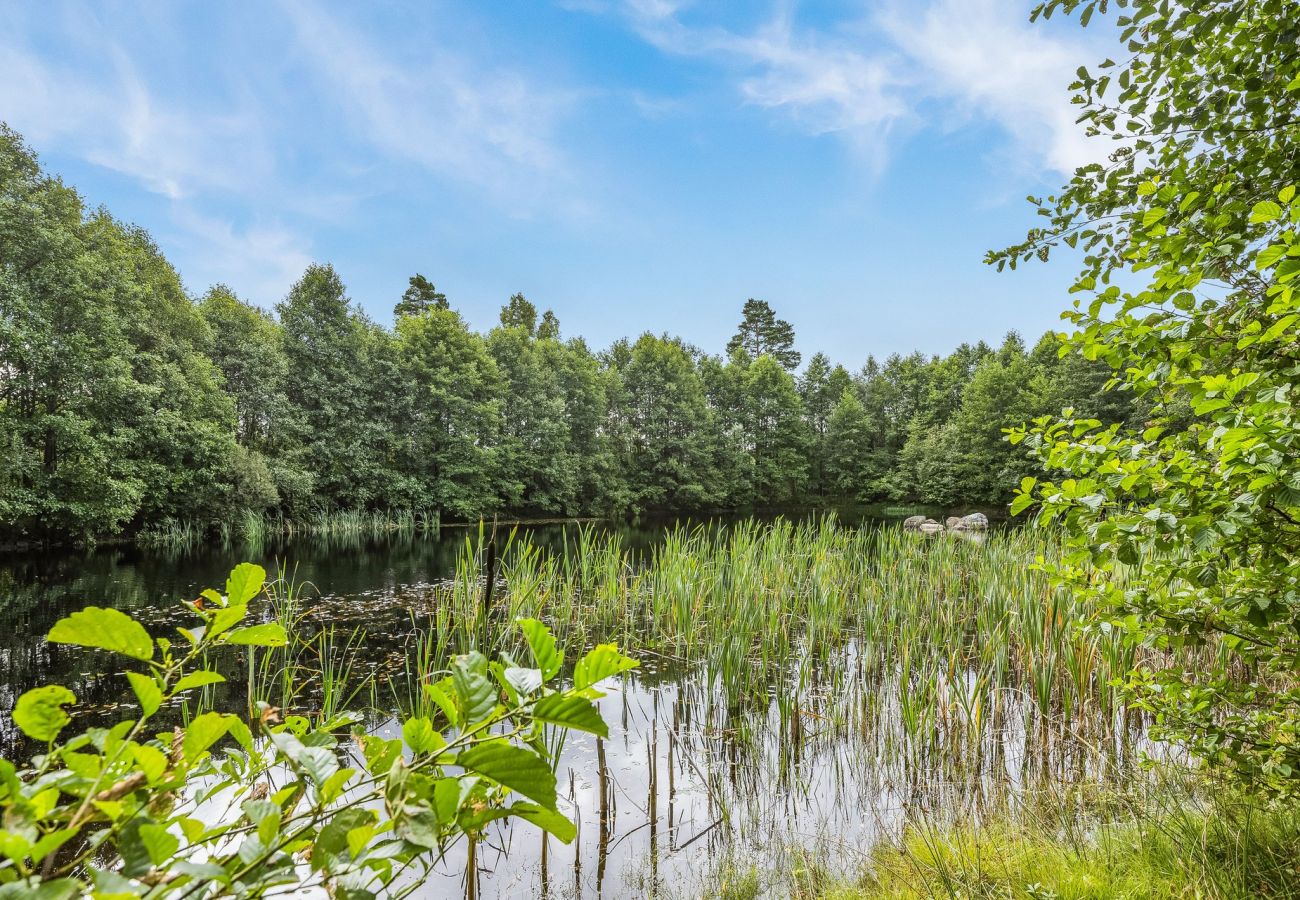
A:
689,774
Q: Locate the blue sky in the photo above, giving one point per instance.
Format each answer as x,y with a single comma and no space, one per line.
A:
636,165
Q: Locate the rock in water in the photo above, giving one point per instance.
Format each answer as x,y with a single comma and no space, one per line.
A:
913,523
952,522
973,522
930,526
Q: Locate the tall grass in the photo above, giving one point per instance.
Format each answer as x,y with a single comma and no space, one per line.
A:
254,529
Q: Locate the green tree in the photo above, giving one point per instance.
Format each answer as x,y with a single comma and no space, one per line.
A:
520,313
419,297
761,332
1197,208
733,464
327,387
549,328
666,455
849,472
456,416
778,436
64,469
537,471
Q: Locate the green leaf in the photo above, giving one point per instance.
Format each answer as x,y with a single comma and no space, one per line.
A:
1021,503
151,760
542,645
1269,255
245,583
36,889
1265,211
197,679
421,736
270,634
203,732
476,695
519,769
551,821
147,691
105,629
39,712
600,663
570,712
1153,215
159,843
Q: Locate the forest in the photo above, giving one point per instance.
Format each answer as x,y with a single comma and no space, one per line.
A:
127,402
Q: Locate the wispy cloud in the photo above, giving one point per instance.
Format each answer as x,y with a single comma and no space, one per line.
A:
821,80
984,59
877,76
259,261
103,111
490,127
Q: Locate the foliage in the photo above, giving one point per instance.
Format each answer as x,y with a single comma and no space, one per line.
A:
762,333
419,297
216,808
1197,208
128,407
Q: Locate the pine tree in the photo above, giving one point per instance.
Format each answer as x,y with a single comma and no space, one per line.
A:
420,297
761,332
519,313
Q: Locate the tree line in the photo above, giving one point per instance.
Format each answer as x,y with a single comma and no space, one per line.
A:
126,402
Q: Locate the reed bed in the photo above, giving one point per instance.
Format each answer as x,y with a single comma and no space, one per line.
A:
951,651
254,529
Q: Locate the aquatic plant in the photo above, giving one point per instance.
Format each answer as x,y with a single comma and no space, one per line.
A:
225,806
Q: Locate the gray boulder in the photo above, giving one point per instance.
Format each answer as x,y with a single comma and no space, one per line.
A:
913,523
973,522
952,522
930,526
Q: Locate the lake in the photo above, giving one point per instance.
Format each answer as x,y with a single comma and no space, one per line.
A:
813,686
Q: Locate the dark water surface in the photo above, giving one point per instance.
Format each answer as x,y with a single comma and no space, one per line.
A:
681,784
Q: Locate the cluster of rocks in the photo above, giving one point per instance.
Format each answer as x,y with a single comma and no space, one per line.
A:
973,522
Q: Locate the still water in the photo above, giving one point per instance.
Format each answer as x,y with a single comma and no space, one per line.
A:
685,783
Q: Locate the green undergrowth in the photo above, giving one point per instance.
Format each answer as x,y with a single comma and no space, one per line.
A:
1222,850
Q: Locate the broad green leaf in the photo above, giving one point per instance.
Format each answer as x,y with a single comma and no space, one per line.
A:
151,760
245,583
319,763
476,695
541,643
37,889
159,843
439,694
1269,255
105,629
40,714
600,663
197,679
1265,211
421,736
570,712
519,769
226,618
270,634
204,731
549,820
147,691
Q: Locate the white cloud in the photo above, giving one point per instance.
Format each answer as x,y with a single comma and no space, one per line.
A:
490,127
985,59
102,111
823,82
258,262
867,80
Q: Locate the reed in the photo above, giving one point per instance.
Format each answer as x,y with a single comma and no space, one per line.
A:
254,529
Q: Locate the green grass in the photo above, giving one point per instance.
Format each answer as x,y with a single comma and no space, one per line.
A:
1227,849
